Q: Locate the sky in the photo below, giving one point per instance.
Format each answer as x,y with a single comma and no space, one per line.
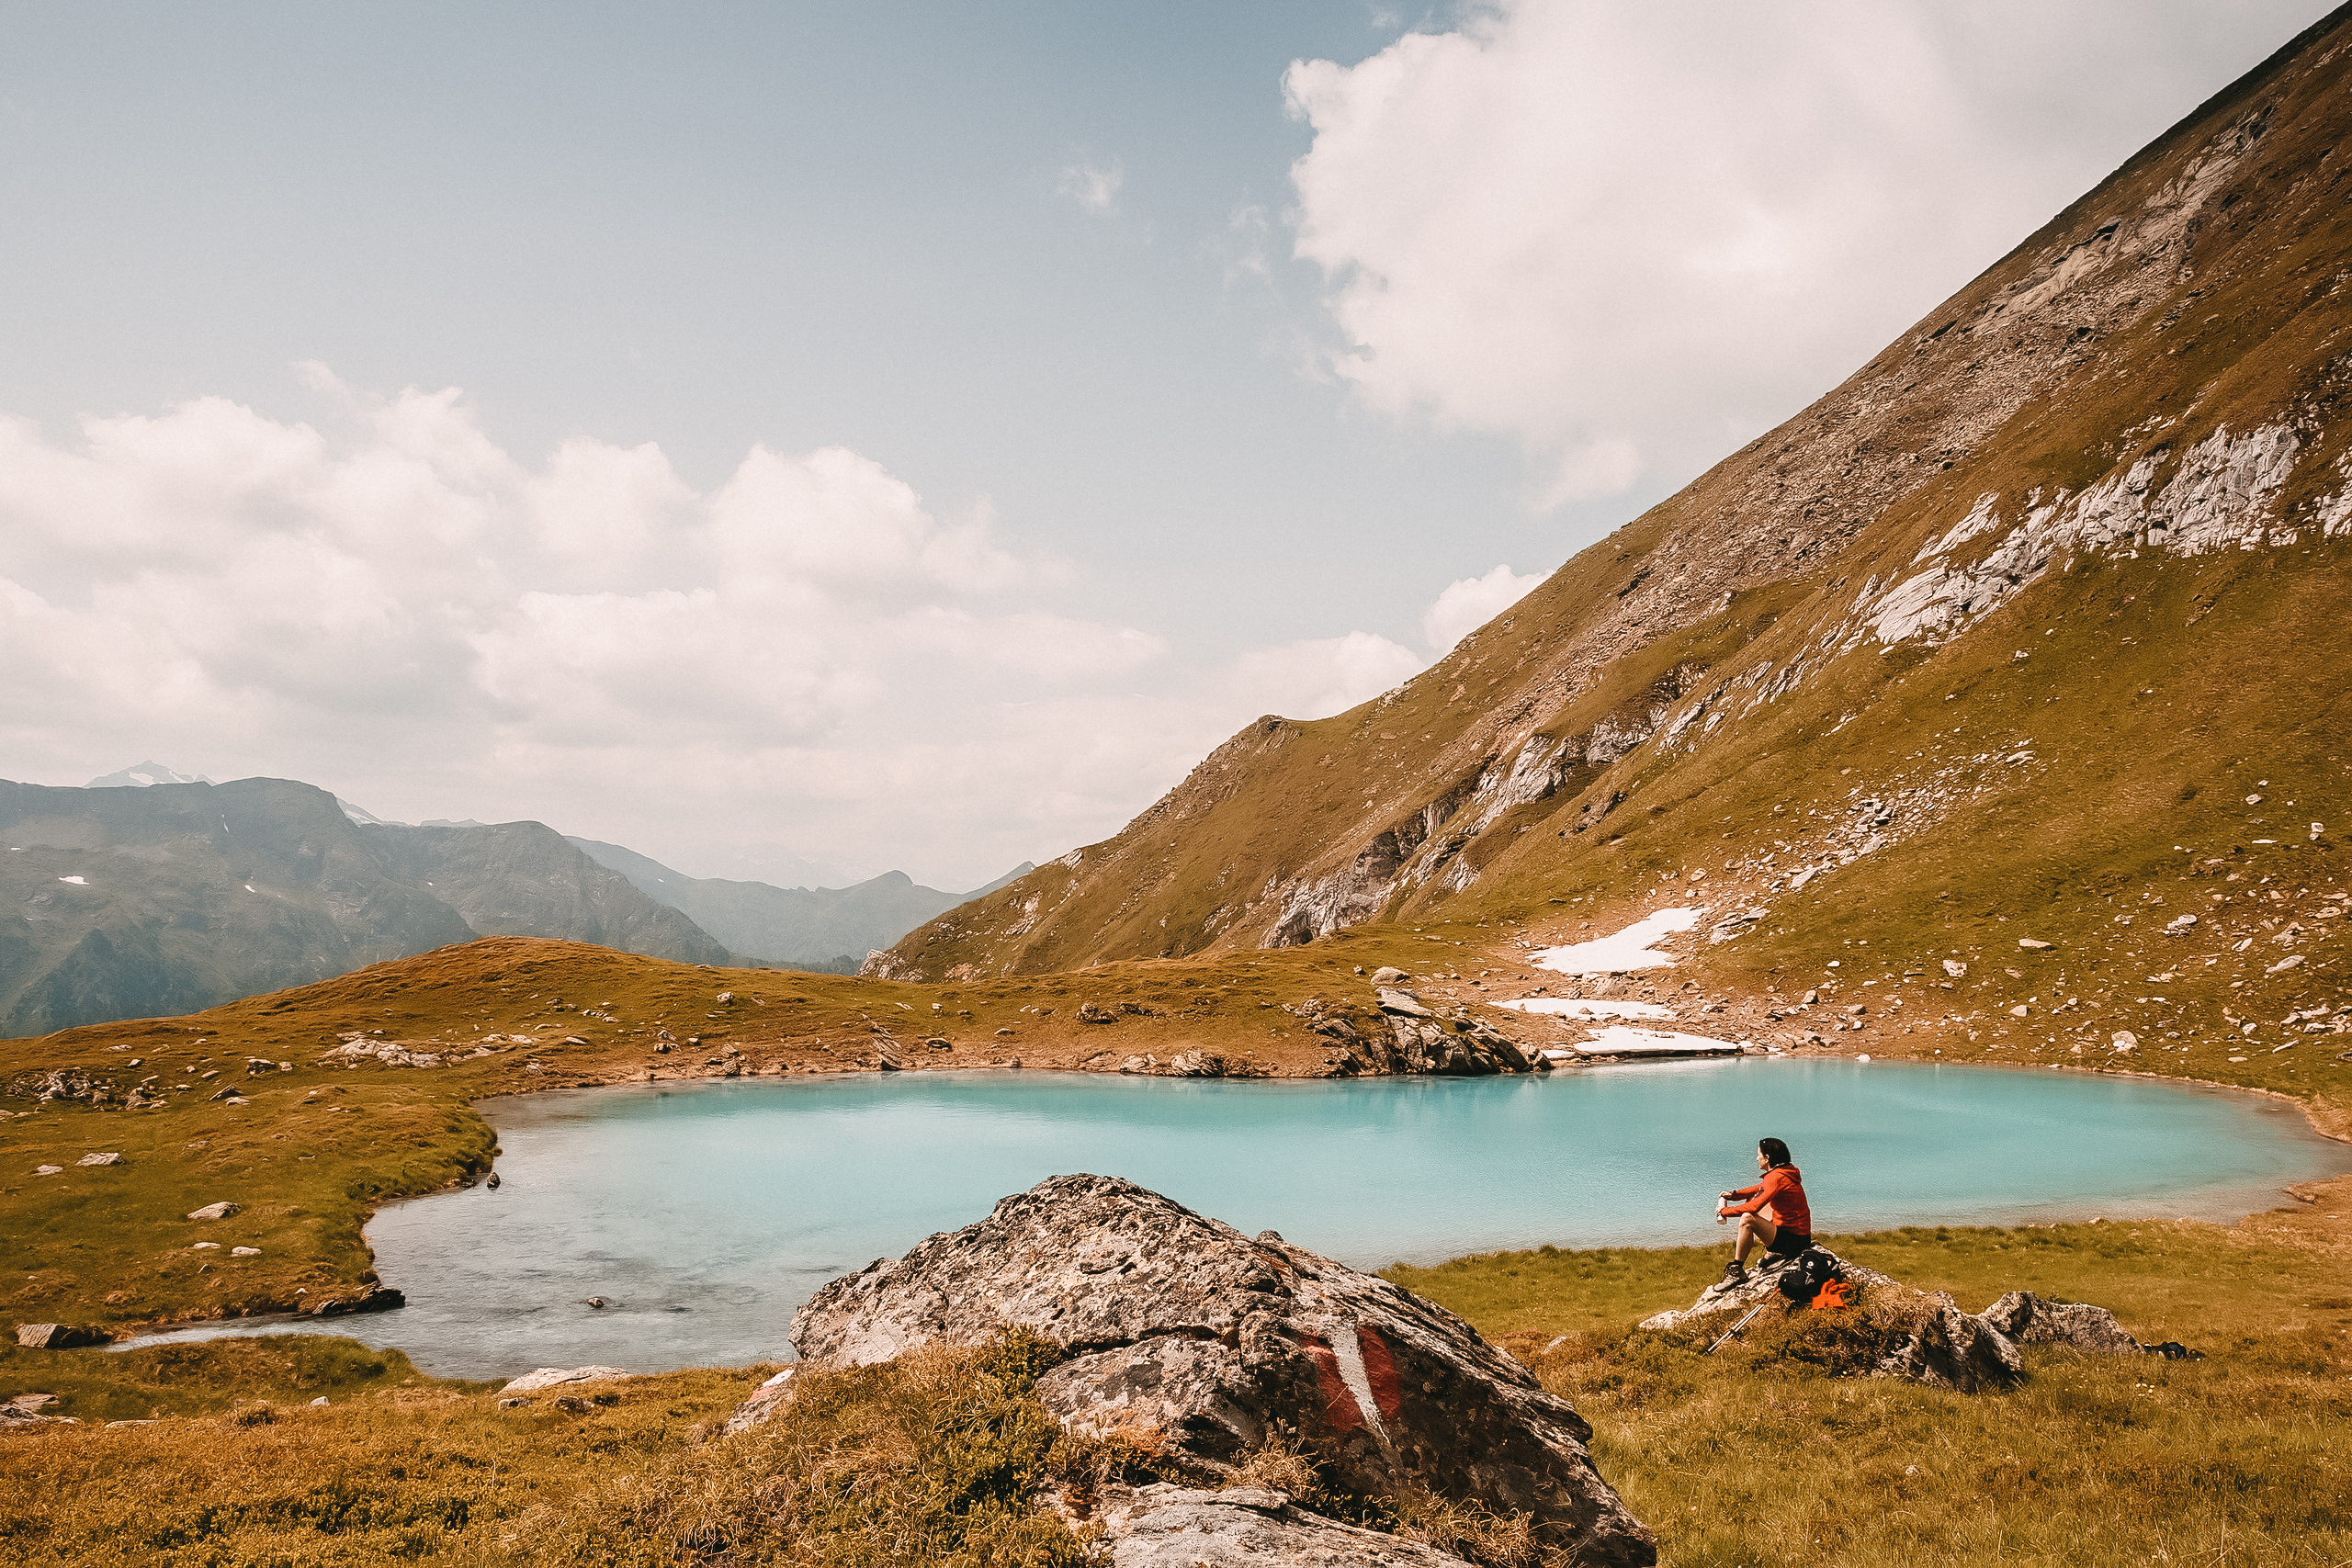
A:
803,441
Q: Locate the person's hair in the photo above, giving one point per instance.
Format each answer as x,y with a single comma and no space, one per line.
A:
1774,1151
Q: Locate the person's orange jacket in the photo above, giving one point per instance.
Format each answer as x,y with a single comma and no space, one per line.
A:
1783,1191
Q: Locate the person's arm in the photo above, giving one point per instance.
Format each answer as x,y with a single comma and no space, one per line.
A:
1754,1194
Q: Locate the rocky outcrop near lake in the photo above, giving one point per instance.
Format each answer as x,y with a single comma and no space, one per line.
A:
1920,1337
1219,1344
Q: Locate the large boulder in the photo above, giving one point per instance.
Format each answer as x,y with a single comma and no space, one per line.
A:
2029,1320
1182,1329
1245,1527
59,1337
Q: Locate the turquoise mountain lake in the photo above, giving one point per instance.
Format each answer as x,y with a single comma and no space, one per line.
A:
705,1214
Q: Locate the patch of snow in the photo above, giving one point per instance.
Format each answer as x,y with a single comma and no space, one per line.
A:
1622,1039
140,776
1561,1007
76,881
250,888
1628,949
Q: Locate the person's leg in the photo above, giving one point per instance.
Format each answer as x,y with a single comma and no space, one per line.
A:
1754,1231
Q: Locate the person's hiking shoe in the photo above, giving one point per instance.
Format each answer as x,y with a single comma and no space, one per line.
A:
1733,1272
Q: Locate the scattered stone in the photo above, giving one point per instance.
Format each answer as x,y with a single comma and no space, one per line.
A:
570,1404
1182,1325
2033,946
2285,963
1004,1035
2179,925
100,1160
375,1300
512,1403
1165,1526
573,1040
1955,968
1403,1004
245,1252
939,1042
557,1377
1196,1064
1388,974
59,1337
597,1301
112,1425
205,1246
48,1170
1089,1013
2124,1040
319,1402
215,1212
766,1401
28,1403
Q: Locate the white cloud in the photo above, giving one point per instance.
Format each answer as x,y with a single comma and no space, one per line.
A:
1631,233
1318,678
395,608
1093,186
1470,603
804,664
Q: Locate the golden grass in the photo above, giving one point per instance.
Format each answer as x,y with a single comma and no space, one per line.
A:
1757,1457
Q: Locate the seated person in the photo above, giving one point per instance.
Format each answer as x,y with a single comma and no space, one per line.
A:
1773,1212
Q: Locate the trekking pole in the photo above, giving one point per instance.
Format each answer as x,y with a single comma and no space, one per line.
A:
1735,1327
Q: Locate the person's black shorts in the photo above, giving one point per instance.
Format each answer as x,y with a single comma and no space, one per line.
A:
1787,1243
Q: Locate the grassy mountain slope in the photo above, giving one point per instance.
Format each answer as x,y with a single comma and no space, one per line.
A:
188,895
797,927
523,879
2040,593
165,899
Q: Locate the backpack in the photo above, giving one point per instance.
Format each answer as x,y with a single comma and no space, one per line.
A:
1803,1281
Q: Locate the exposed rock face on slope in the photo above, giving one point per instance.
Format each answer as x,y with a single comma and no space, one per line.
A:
149,902
1182,1326
2091,499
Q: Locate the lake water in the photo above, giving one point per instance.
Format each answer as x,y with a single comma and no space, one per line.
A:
705,1214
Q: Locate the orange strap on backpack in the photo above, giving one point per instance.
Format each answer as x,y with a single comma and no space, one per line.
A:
1831,1297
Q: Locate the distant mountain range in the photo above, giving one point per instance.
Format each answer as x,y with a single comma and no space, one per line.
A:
825,928
149,893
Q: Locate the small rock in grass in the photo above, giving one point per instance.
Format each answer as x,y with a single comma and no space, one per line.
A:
1389,976
215,1212
47,1169
551,1377
245,1252
2033,946
100,1160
